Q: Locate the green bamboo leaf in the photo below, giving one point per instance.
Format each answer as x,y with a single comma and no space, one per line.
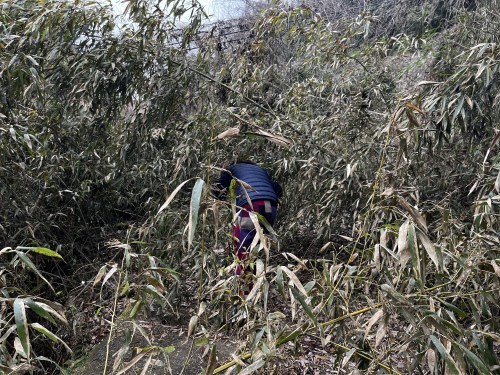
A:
453,308
154,292
46,252
22,325
232,195
40,328
168,349
39,309
266,224
442,325
195,207
212,361
54,308
412,244
288,337
279,281
475,361
26,260
135,309
394,294
298,296
452,366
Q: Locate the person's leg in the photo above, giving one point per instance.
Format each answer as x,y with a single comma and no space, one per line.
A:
244,234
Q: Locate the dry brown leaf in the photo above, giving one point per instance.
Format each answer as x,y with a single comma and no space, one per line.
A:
376,257
429,247
231,132
431,359
495,267
295,280
278,139
381,332
419,219
192,324
374,319
403,250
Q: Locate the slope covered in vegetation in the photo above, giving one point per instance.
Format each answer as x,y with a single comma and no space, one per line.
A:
381,123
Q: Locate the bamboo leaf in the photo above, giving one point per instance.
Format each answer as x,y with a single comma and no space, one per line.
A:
414,213
7,333
22,325
404,254
279,281
212,361
496,268
132,363
194,209
394,294
231,132
294,280
46,252
421,83
412,245
38,327
110,273
253,367
171,196
431,359
192,324
150,289
39,309
475,360
288,337
26,260
100,274
278,139
135,309
304,304
259,235
430,249
381,333
19,349
452,366
374,319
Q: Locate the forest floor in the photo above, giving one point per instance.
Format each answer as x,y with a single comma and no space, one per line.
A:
132,343
188,359
184,358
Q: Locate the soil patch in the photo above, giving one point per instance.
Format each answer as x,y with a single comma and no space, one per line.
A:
163,348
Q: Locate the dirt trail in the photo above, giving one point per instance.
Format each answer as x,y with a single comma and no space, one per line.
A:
186,358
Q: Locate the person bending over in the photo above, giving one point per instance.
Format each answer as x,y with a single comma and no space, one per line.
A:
256,191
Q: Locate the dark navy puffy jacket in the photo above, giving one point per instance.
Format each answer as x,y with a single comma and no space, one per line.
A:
263,186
